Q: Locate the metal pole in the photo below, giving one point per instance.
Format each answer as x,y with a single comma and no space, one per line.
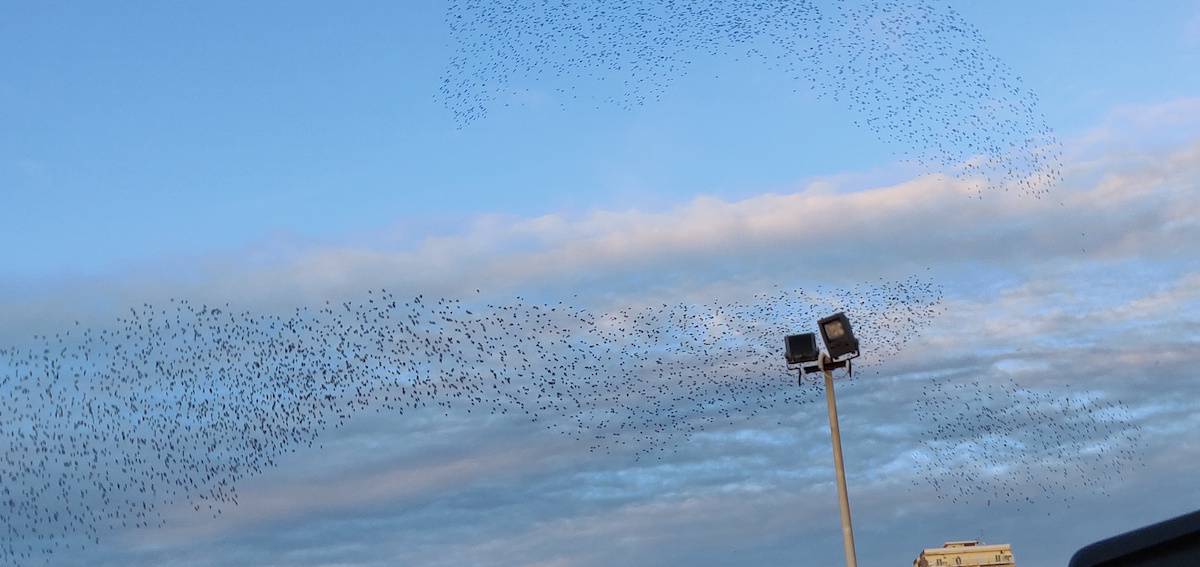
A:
847,529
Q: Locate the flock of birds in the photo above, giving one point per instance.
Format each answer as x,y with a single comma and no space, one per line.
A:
996,442
101,428
917,75
915,72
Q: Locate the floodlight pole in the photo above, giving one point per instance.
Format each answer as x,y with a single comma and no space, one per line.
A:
843,499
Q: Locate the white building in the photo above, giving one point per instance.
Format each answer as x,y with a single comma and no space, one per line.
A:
968,552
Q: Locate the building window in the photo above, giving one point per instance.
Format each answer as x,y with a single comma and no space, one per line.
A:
958,561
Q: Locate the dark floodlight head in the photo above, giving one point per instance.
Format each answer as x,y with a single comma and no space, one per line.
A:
802,348
838,336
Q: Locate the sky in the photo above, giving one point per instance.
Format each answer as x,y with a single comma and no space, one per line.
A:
284,153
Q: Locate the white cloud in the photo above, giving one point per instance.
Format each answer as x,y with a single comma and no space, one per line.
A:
1124,207
1043,293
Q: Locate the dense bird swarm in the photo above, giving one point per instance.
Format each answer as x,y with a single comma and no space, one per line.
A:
1000,443
917,75
100,428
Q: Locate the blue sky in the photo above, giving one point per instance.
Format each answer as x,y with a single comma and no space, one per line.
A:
141,133
283,153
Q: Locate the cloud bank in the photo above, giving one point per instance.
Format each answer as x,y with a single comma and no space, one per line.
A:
1091,293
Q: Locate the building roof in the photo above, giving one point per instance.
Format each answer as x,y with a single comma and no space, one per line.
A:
953,547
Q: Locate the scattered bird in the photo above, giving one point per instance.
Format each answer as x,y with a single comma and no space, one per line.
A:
916,73
100,428
179,402
999,442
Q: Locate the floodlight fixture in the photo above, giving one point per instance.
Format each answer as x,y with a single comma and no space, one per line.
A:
801,348
838,336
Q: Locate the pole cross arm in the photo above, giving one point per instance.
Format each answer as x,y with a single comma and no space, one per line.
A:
829,366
